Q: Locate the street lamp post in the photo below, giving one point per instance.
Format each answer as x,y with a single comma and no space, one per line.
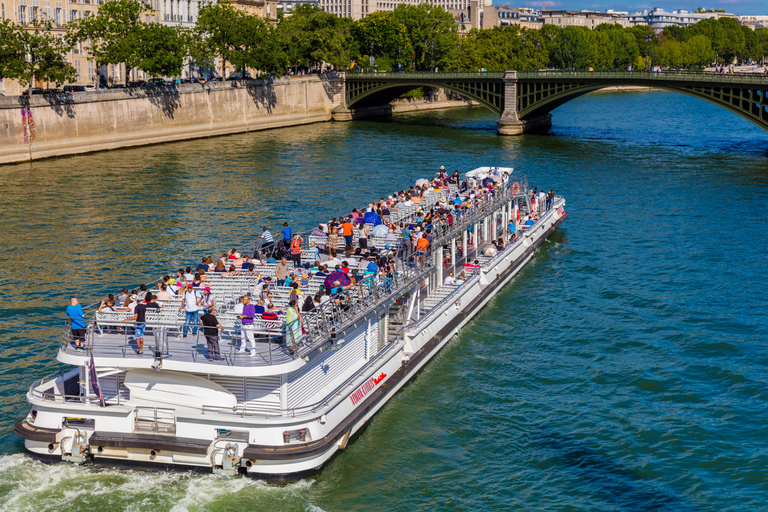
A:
523,52
414,62
399,50
647,63
538,43
458,49
370,59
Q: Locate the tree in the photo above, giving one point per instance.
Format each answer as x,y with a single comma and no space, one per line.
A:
432,33
573,49
162,50
114,36
388,36
217,30
31,53
311,36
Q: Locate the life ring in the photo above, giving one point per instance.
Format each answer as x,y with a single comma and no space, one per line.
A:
515,188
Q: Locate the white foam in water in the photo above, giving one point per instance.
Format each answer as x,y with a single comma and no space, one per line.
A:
29,485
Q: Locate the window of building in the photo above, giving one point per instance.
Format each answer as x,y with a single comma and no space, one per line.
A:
2,11
72,15
77,69
47,10
57,14
22,12
91,76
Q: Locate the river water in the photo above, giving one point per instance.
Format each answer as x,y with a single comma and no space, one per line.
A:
624,369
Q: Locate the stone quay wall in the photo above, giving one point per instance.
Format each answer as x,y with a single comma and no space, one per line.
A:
82,122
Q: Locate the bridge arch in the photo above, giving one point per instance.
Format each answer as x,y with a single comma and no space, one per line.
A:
488,93
537,99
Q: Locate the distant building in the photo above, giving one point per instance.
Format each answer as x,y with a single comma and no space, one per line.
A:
481,16
287,6
357,9
588,19
59,12
658,19
753,21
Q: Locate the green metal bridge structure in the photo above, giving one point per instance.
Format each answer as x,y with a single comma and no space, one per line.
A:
523,100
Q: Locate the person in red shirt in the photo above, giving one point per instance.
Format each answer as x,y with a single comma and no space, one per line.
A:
296,250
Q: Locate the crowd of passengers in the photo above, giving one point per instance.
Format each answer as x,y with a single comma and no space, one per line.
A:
411,239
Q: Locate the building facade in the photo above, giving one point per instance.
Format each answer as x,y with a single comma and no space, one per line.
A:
59,12
357,9
658,19
588,19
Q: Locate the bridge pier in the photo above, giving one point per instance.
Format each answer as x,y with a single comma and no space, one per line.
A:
509,123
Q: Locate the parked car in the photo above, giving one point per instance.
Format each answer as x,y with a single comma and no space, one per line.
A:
117,86
90,87
74,88
137,83
53,90
35,90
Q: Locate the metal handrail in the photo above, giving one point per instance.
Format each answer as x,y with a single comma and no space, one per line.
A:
550,73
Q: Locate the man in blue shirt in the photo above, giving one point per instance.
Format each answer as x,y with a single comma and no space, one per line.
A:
75,314
287,233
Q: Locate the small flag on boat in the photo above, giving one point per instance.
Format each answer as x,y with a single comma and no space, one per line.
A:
95,382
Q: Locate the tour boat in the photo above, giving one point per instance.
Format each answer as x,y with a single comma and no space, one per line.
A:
285,412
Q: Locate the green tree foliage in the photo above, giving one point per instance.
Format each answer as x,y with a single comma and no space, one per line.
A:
162,50
311,36
30,53
389,38
114,36
433,35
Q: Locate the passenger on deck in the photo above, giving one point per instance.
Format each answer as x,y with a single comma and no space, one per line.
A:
75,313
287,233
123,295
164,295
107,305
220,268
332,244
141,322
293,326
211,328
246,318
206,300
269,242
296,250
189,306
281,271
237,311
449,280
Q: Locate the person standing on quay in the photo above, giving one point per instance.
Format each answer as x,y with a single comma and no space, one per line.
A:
75,313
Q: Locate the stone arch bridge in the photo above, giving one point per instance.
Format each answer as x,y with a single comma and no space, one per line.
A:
523,100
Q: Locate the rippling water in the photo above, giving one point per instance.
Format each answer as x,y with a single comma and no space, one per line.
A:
622,370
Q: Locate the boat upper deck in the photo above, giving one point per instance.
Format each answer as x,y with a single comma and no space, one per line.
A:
381,264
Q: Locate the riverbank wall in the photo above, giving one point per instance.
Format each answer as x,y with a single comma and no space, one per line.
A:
83,122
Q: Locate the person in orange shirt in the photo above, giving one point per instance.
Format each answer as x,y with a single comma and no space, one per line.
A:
347,229
422,245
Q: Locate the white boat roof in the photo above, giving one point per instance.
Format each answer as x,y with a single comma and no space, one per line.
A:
487,171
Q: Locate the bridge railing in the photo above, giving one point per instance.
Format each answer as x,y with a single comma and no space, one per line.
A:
667,75
427,75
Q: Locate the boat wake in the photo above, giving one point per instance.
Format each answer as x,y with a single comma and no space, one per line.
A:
26,484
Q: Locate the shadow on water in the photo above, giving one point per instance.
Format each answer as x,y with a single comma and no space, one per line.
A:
607,479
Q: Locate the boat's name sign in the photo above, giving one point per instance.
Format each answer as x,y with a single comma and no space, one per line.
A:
366,388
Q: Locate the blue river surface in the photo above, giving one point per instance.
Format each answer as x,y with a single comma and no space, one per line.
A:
623,369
